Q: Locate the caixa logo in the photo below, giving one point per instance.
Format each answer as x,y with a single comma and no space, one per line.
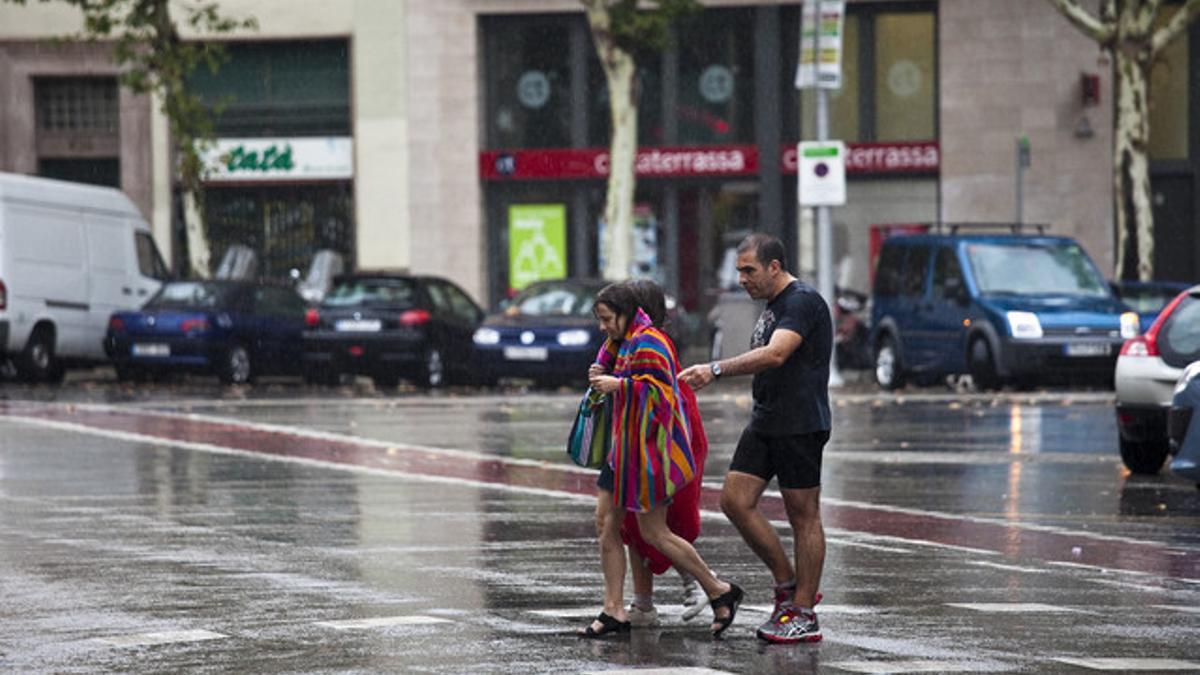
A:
506,164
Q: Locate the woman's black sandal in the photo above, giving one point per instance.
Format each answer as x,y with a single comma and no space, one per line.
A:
608,626
731,599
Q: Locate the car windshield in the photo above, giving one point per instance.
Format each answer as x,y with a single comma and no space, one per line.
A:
1031,269
191,295
554,300
390,292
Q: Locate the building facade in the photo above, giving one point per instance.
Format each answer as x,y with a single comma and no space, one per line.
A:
468,137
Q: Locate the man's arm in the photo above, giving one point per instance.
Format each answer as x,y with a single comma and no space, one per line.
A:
771,355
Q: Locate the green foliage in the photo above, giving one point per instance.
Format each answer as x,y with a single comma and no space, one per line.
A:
154,60
646,30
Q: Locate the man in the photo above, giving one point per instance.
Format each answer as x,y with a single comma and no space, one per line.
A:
789,357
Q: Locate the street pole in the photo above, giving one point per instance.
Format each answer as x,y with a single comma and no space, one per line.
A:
825,239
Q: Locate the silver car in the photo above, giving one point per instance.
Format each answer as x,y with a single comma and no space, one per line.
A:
1147,369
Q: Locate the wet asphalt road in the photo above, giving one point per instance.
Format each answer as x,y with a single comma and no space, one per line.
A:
285,529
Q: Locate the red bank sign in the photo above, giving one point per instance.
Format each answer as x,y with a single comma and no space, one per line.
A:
719,160
724,160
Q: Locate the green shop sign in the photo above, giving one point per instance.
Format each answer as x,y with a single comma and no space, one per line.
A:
241,158
272,159
537,243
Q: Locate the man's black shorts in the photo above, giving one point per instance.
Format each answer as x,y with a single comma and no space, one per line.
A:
795,459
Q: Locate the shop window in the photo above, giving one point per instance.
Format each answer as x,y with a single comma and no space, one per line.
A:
285,225
904,77
1169,99
529,81
889,76
844,103
285,88
714,103
649,85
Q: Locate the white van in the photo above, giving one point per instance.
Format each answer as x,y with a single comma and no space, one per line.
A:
70,256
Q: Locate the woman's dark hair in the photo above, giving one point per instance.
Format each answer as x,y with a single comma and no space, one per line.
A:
651,299
620,298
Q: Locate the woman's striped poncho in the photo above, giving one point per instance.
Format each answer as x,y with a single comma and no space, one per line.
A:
651,453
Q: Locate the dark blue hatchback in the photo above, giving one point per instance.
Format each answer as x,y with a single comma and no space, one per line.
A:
1003,308
546,333
233,329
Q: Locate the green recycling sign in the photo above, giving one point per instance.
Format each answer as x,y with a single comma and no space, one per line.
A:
537,243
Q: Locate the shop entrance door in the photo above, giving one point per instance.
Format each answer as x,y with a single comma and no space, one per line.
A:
712,219
1175,243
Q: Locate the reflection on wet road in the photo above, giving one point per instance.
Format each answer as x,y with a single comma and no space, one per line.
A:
446,534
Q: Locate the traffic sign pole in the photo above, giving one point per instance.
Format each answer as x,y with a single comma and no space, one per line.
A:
825,239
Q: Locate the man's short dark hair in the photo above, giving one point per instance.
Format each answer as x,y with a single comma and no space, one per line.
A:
620,298
766,248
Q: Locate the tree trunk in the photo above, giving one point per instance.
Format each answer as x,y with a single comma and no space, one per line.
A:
199,256
619,72
1135,217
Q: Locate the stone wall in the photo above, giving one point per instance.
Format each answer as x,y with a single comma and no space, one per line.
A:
1009,69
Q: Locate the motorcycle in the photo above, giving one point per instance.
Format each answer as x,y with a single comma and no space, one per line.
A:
850,329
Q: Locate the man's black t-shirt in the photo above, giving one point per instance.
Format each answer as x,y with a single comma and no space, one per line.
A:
794,398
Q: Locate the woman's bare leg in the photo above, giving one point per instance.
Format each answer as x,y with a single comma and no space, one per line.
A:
612,556
681,553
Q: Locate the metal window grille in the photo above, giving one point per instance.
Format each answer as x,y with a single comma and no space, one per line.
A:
77,104
285,225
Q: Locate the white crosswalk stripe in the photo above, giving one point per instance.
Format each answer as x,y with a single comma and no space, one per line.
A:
383,622
160,638
1131,664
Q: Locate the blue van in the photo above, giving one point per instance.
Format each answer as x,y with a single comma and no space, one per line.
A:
1001,307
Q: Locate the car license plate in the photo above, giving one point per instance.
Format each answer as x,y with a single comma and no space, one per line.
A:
526,353
151,350
1087,349
358,325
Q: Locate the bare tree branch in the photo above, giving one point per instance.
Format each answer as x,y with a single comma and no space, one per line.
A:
1102,32
1180,21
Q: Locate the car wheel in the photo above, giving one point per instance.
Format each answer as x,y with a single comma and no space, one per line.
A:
236,368
982,366
888,371
1143,456
433,372
37,362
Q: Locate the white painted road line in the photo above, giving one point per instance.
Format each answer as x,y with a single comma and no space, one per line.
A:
160,638
658,671
1132,664
1179,608
1009,568
1023,607
822,609
383,622
909,666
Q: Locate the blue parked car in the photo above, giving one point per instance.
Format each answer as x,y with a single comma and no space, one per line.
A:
546,333
233,329
1001,307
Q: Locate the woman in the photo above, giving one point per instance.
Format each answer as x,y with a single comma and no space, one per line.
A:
683,514
650,462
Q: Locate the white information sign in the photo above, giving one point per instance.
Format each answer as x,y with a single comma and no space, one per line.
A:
821,27
271,159
822,173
